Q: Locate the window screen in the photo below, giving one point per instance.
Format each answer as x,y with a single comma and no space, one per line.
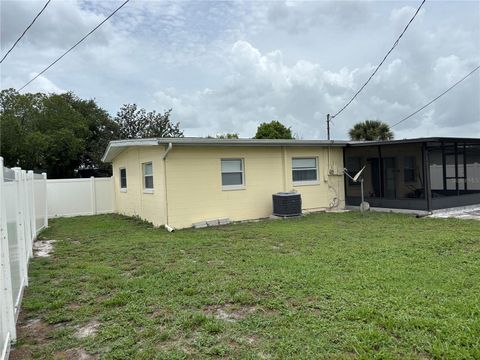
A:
232,172
148,175
304,169
123,178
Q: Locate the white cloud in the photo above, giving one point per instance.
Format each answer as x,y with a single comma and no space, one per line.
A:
226,66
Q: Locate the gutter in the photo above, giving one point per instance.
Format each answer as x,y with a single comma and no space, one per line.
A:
169,148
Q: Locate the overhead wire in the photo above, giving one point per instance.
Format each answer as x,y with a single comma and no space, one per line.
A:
436,98
381,62
25,31
75,45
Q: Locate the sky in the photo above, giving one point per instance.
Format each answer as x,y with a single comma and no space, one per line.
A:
227,66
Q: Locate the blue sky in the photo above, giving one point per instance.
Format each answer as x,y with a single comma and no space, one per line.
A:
226,66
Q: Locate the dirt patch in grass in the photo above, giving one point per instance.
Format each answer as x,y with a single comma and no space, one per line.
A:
75,354
21,353
35,329
31,331
230,312
43,248
89,329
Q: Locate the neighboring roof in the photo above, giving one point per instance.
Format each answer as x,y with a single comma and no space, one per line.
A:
416,140
116,147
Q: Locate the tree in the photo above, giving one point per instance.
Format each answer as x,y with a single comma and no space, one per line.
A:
224,136
137,123
101,130
371,130
57,133
273,130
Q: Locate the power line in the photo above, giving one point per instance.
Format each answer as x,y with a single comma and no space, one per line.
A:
76,44
435,99
28,27
381,62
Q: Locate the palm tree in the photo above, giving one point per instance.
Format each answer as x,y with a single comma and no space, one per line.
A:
371,130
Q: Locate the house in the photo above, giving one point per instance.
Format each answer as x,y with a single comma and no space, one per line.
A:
418,174
182,181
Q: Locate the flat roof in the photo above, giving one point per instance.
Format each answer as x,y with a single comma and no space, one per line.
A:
116,147
414,140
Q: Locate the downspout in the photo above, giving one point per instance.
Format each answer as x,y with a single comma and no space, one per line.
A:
169,148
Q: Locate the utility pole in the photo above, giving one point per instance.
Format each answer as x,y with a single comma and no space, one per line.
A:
328,126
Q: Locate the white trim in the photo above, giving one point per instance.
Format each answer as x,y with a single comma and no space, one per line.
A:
236,186
233,187
306,183
116,147
122,189
145,189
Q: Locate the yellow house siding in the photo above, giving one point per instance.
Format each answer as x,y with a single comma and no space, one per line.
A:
329,189
135,202
195,190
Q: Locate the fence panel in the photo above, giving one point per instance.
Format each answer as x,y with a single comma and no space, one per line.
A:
41,209
27,200
23,213
74,197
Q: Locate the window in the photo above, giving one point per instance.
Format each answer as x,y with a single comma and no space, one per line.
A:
354,164
123,179
409,165
304,170
148,176
232,174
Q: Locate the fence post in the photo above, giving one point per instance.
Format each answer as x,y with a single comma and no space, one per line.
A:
22,249
27,226
33,212
94,196
7,311
45,219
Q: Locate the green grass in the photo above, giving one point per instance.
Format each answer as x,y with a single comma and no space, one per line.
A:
335,286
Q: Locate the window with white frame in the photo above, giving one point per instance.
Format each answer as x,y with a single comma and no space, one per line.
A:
123,179
148,176
304,170
232,173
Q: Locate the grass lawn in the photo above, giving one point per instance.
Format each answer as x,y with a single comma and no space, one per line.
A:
334,286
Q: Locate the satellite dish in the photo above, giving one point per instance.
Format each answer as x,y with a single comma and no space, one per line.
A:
364,206
355,178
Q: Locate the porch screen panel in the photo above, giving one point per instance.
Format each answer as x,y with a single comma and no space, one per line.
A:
472,157
436,169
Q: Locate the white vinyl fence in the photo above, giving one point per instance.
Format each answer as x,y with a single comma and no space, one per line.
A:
23,214
74,197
